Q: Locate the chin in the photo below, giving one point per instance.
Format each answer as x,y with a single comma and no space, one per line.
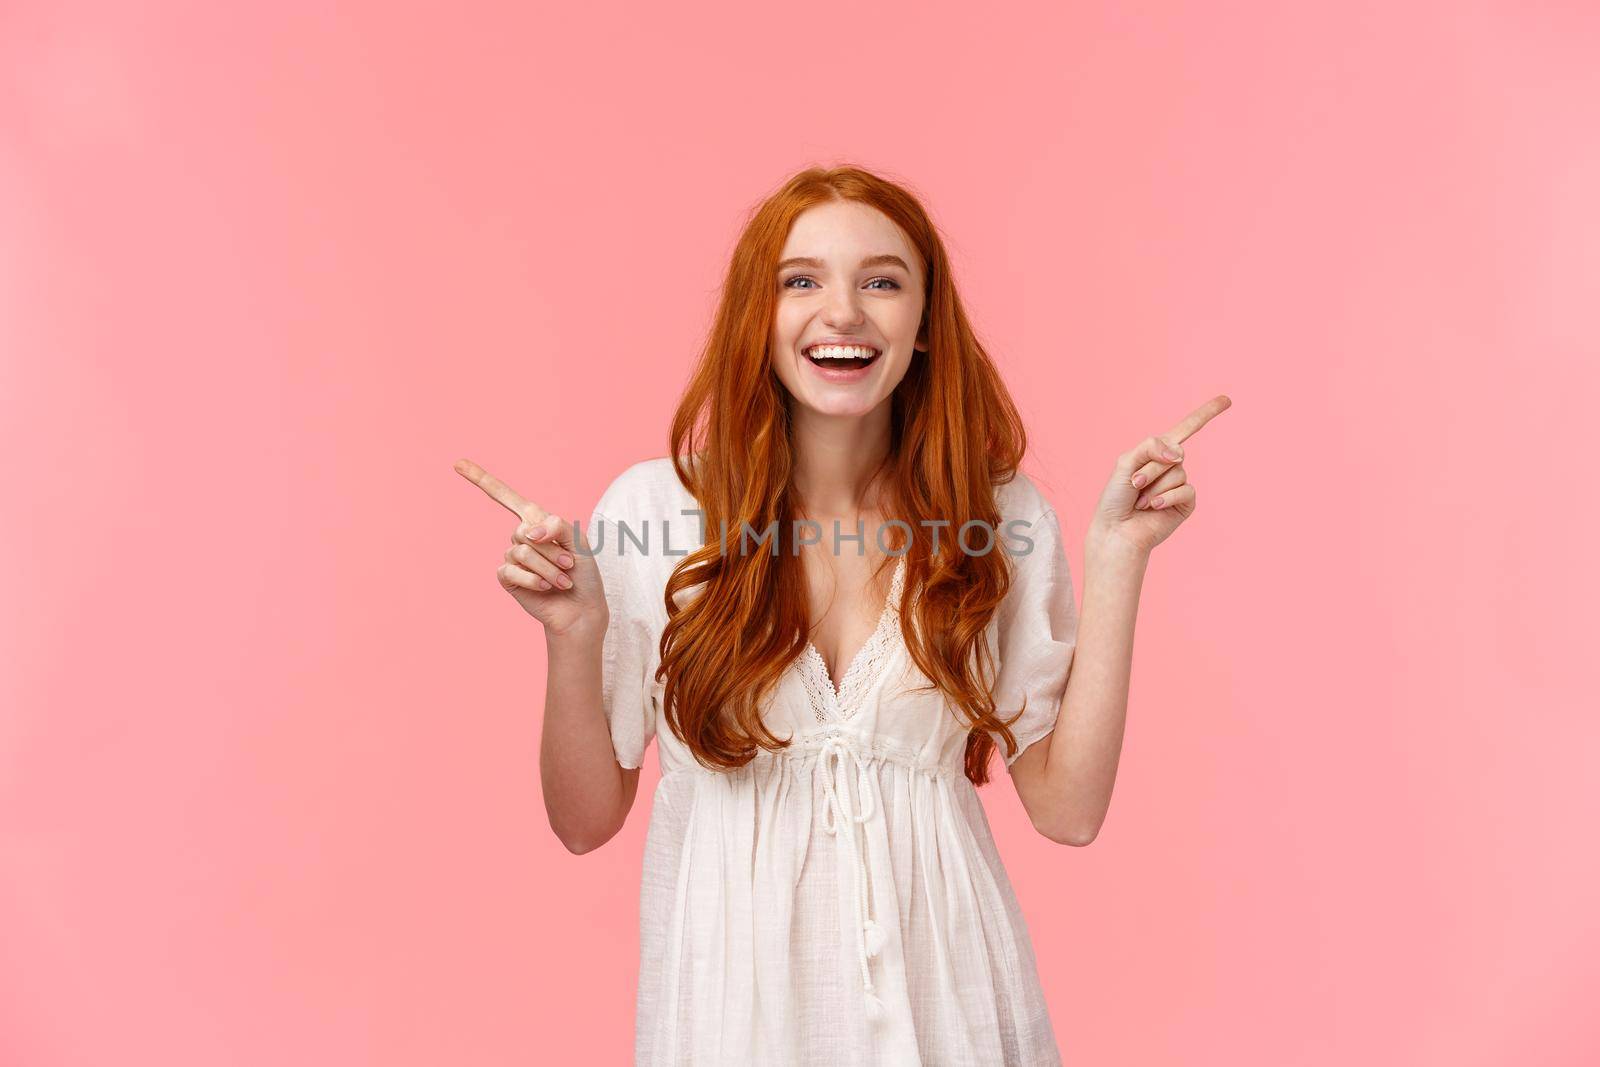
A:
843,408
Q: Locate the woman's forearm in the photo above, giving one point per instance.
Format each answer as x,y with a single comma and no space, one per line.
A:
1069,791
587,794
1067,787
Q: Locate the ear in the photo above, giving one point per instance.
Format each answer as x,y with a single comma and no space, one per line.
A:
921,343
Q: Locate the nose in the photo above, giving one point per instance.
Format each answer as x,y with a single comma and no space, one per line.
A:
843,310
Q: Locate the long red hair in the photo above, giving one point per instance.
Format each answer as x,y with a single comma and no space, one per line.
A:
956,434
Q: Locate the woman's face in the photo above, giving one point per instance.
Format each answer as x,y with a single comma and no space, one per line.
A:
861,282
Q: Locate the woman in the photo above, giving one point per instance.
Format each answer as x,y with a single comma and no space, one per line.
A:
829,604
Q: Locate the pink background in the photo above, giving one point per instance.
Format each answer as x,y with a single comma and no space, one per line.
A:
268,731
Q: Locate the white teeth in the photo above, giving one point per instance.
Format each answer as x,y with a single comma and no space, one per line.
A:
841,352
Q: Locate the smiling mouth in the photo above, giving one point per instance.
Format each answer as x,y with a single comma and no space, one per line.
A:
842,357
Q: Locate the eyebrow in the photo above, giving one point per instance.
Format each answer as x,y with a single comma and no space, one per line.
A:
884,260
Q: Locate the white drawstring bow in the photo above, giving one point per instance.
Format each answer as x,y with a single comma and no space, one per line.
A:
870,938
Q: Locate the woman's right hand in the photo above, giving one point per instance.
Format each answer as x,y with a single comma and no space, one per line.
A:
543,569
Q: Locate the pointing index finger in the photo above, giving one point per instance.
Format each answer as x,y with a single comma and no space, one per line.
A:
498,491
1197,418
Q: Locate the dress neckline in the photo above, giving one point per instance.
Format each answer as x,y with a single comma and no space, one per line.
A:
837,703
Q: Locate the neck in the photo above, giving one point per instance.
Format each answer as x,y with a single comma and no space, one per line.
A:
836,457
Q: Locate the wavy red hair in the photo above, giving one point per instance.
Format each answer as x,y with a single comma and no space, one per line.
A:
956,434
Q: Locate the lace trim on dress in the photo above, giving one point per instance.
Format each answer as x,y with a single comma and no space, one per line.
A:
836,705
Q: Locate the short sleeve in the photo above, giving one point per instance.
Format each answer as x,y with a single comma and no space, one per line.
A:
631,653
1037,630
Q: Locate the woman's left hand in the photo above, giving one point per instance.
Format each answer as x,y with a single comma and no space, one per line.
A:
1150,493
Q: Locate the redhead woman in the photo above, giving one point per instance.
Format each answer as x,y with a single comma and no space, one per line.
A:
829,605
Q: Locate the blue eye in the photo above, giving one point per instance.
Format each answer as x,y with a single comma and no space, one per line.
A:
802,277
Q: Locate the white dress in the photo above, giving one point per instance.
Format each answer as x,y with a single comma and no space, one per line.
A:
840,902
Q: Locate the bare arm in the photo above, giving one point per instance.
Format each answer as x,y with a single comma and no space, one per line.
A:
587,793
1065,778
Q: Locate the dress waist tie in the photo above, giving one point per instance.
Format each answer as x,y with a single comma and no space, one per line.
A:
837,754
